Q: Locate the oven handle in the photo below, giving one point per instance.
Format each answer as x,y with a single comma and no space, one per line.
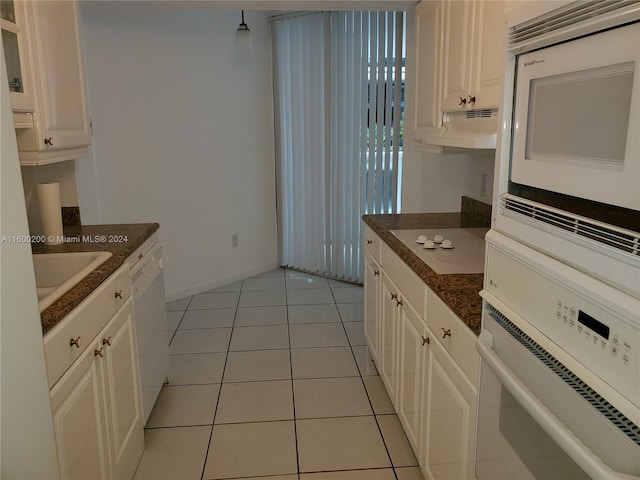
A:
578,451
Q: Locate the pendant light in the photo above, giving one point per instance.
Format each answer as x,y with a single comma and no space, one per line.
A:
243,34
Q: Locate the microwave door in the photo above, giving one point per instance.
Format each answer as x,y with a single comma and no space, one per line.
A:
576,118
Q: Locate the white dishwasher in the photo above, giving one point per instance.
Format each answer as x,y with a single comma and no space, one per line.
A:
149,309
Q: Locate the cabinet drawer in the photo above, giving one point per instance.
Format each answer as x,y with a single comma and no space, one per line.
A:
371,242
412,287
84,322
460,343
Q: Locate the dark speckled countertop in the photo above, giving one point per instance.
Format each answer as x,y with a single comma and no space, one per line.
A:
121,240
459,291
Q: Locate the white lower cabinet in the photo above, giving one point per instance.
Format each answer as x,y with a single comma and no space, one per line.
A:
388,351
96,402
449,419
80,421
414,370
372,302
427,360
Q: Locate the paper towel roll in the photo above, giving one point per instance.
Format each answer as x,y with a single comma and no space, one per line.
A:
50,212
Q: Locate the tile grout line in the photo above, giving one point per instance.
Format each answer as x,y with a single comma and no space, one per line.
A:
215,410
293,393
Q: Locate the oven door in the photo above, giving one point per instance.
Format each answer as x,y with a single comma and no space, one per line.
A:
537,420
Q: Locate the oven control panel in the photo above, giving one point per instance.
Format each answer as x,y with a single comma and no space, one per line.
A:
596,335
598,326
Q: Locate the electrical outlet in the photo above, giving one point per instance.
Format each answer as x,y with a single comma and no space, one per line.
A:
483,184
234,240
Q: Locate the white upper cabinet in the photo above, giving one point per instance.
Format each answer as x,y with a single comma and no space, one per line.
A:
52,124
14,41
473,53
428,114
490,54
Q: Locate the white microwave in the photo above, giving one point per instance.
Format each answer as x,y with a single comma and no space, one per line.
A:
568,149
576,118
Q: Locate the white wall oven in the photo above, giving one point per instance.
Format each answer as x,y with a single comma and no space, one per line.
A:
569,153
559,394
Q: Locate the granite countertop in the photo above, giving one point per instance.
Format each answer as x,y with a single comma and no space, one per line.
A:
459,291
120,239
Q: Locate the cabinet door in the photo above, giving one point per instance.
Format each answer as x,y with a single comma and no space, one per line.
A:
449,442
58,75
371,304
428,114
79,420
457,53
413,359
16,56
388,336
489,54
119,369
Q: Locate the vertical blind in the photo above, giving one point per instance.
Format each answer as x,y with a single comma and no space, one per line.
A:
338,88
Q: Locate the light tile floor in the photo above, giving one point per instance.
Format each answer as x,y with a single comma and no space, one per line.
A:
271,379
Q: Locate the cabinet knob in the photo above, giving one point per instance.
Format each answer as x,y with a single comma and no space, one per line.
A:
49,141
425,340
98,352
472,99
75,341
119,293
106,341
446,333
398,302
394,296
376,273
462,101
369,242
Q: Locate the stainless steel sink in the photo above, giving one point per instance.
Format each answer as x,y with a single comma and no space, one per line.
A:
57,273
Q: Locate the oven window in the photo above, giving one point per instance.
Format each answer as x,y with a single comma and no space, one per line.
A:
581,115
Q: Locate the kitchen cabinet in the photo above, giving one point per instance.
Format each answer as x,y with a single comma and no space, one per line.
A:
414,370
387,353
51,112
427,112
372,290
429,366
372,302
14,41
96,401
449,419
473,53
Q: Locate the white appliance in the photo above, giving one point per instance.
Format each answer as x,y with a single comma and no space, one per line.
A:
576,116
559,393
568,158
152,331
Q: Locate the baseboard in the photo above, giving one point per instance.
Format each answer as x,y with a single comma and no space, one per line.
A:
177,295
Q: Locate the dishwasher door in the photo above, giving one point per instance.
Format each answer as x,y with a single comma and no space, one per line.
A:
152,333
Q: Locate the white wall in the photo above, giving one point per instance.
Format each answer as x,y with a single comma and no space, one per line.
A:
183,136
440,180
27,445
